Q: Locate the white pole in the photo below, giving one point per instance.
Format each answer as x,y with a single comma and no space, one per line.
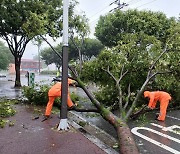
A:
65,22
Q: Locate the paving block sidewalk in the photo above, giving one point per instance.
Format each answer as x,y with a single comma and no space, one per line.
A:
29,136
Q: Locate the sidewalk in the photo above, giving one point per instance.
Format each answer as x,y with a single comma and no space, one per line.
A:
29,136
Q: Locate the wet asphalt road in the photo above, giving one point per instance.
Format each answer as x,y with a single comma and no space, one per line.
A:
152,138
158,137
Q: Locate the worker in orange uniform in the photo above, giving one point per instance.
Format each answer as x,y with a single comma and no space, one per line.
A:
55,92
162,97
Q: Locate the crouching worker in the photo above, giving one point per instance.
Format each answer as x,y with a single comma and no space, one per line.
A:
54,92
162,97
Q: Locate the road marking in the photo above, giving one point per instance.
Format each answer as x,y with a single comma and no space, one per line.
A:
135,131
170,128
172,117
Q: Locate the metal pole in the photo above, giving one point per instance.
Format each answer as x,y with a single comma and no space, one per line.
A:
63,125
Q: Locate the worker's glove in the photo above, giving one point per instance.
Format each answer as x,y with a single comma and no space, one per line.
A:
149,107
58,79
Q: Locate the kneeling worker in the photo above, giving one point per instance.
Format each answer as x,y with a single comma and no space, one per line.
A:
162,97
55,92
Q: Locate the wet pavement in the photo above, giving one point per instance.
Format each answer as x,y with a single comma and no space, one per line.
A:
32,136
159,137
146,136
29,136
7,84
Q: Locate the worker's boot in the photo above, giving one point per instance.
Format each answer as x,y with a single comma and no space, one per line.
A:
156,118
46,117
72,107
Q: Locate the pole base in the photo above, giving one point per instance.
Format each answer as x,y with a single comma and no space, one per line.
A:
63,125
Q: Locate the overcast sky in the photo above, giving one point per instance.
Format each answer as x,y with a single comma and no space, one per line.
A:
94,8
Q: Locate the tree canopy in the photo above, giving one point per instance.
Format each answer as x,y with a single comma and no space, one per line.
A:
91,47
111,28
51,57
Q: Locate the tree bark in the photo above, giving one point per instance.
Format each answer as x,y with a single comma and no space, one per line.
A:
17,68
127,144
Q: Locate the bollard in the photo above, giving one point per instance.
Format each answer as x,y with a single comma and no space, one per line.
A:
31,78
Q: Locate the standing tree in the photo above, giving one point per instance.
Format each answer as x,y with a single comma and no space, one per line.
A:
17,18
21,21
5,56
112,27
77,35
51,57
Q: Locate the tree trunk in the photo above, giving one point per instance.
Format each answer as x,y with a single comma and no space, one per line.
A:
17,68
127,144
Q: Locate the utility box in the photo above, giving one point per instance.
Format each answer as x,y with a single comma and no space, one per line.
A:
31,78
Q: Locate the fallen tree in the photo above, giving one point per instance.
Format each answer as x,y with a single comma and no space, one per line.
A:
126,142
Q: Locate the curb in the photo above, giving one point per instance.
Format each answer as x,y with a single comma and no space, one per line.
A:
96,135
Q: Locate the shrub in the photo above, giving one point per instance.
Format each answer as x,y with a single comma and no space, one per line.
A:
36,95
39,95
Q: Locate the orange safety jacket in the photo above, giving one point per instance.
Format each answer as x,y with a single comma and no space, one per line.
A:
155,96
56,89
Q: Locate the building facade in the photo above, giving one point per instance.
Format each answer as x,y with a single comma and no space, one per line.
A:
27,65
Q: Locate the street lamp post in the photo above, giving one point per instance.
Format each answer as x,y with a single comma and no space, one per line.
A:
63,125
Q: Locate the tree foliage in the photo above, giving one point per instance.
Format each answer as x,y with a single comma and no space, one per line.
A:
51,57
136,46
91,47
5,56
127,55
112,27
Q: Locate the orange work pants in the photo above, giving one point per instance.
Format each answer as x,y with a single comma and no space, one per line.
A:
163,107
51,102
